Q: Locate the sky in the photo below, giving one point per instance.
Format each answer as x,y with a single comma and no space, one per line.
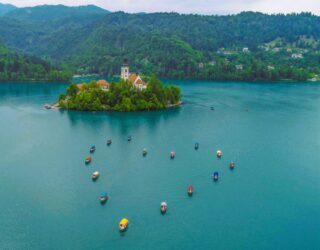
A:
188,6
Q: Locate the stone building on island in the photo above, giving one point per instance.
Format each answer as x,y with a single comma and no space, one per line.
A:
133,78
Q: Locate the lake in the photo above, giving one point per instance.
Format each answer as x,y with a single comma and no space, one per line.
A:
271,200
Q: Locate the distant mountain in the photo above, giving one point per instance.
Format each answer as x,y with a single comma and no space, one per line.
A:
23,28
6,8
92,40
54,13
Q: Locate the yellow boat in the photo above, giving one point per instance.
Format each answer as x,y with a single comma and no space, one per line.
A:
123,224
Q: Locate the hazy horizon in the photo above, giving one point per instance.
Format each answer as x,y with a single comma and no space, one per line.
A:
206,7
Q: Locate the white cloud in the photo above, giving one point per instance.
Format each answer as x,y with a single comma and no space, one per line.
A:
189,6
288,6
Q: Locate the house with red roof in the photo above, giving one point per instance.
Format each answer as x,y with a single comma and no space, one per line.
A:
104,85
80,86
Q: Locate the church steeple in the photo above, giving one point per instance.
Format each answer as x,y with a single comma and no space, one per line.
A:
125,70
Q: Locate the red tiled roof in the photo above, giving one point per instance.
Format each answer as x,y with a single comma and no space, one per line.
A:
103,83
133,79
139,81
80,86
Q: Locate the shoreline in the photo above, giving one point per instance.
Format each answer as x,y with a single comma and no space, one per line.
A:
170,106
172,79
33,81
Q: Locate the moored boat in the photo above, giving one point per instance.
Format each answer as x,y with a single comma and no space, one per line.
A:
95,175
163,207
92,149
88,160
215,176
47,106
123,225
172,154
144,152
219,153
196,145
103,197
129,138
232,165
109,141
190,190
212,108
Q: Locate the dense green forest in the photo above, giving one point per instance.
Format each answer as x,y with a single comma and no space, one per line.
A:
6,8
246,46
18,67
122,96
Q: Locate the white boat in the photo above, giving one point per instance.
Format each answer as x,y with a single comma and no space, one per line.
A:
219,153
172,154
163,207
144,152
95,175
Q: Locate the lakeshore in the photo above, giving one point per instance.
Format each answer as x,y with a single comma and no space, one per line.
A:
56,106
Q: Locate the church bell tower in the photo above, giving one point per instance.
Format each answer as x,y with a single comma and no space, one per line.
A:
125,70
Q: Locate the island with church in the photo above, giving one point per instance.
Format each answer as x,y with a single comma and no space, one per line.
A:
131,93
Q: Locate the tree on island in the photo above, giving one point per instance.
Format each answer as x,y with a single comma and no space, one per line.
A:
122,96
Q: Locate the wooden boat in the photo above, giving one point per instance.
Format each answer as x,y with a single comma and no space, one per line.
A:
123,225
190,190
219,153
172,154
144,152
95,175
88,160
92,149
232,165
103,197
215,176
163,207
109,141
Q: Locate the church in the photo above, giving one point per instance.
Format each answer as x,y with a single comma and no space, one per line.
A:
133,78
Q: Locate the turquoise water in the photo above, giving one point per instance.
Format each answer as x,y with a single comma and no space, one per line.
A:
270,201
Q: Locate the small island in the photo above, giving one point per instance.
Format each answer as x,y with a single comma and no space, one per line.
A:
131,93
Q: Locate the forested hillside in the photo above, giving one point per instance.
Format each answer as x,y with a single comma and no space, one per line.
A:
6,8
247,46
18,67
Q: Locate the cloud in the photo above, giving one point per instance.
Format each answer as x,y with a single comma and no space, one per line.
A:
189,6
288,6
